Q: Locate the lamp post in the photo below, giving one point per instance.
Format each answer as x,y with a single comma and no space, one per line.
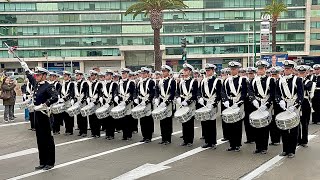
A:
254,31
64,65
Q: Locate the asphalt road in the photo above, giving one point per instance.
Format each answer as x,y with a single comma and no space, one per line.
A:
87,158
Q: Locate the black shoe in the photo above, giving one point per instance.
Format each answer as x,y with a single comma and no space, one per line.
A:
77,129
249,142
264,152
40,167
84,135
110,138
224,139
79,134
291,155
230,149
143,140
93,136
202,137
181,136
189,145
274,144
97,136
161,142
256,151
167,142
47,167
283,154
183,144
107,137
237,149
124,139
129,139
147,141
206,145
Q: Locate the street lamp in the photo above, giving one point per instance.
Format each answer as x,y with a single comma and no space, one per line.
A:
64,65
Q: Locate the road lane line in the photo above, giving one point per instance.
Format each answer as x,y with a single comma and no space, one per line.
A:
148,168
268,165
86,158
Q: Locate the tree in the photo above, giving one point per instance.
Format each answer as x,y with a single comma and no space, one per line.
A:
154,9
274,10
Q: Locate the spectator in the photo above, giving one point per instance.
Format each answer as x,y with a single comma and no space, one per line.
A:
8,88
24,98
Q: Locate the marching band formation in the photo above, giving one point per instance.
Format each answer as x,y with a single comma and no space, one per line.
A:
277,102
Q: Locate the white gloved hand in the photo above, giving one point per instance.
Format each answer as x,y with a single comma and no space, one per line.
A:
179,101
201,101
292,108
143,103
226,104
156,102
40,107
94,98
184,103
122,103
88,100
282,104
209,106
101,100
60,100
72,102
116,99
263,107
24,65
24,96
163,104
136,101
255,103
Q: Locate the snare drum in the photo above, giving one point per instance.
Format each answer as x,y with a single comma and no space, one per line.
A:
138,112
88,110
74,110
183,114
160,113
287,120
103,111
231,115
24,104
58,108
118,112
204,114
260,119
31,107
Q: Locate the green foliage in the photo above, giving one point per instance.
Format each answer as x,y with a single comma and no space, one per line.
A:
20,80
275,9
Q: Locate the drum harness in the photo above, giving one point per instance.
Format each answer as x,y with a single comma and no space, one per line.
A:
233,90
106,93
290,97
211,97
124,94
186,93
144,94
164,95
262,93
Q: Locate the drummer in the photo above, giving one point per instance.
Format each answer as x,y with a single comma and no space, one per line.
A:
309,88
165,92
289,95
109,92
261,94
81,92
210,96
145,94
234,92
187,95
57,118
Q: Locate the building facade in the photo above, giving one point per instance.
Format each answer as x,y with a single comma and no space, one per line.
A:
78,34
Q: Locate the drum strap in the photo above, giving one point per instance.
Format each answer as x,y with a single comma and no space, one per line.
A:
286,90
186,94
206,88
257,80
96,86
64,91
123,93
108,93
164,95
233,89
143,90
29,88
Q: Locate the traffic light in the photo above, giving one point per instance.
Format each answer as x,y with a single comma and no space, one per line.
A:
183,42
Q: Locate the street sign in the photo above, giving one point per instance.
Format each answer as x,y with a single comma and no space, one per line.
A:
265,36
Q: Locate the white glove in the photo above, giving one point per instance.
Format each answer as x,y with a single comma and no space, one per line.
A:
143,103
136,101
40,107
179,101
201,101
226,104
282,104
263,107
116,99
235,105
184,103
94,98
88,100
163,104
122,103
292,108
255,103
60,100
24,96
209,106
72,102
156,102
24,65
101,100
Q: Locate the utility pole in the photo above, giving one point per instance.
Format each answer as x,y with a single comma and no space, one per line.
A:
184,49
254,31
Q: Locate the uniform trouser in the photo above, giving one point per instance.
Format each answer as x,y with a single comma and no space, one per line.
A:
250,131
95,125
235,136
82,124
290,139
304,123
275,132
166,129
202,128
225,130
110,126
316,108
68,121
57,118
209,131
147,126
45,140
32,119
262,138
127,122
134,124
188,131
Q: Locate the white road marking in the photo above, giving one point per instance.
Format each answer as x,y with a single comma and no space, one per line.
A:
268,165
86,158
148,168
13,124
35,150
14,109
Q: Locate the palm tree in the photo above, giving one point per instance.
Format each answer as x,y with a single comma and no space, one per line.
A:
154,9
274,10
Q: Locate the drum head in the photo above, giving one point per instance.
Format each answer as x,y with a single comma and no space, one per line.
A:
231,111
118,108
182,111
158,110
138,108
285,115
203,109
